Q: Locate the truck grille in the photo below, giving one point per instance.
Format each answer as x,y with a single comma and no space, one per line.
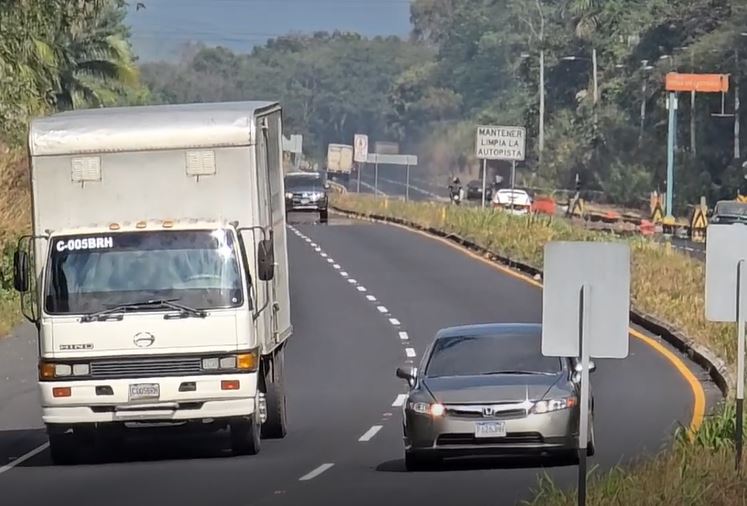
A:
144,367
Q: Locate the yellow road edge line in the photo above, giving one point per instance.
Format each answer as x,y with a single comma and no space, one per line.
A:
699,403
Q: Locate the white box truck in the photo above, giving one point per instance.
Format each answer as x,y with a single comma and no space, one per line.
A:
339,161
157,271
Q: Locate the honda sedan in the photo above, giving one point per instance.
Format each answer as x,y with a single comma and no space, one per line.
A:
487,389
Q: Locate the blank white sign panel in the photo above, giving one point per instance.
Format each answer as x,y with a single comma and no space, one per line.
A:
726,246
605,269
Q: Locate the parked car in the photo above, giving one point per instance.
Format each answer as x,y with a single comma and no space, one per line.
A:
307,192
514,201
487,389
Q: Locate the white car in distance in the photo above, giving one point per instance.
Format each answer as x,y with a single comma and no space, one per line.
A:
514,201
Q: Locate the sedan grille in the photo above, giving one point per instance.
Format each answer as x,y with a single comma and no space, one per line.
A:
141,368
470,439
477,412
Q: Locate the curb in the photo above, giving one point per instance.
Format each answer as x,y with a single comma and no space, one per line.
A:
715,367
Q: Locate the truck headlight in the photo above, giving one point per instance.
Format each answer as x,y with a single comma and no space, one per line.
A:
550,405
316,196
52,370
242,362
288,195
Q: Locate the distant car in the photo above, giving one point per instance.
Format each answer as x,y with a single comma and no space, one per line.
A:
729,211
474,191
487,389
307,192
513,201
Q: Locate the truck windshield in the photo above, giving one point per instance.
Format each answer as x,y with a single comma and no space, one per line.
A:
89,273
296,182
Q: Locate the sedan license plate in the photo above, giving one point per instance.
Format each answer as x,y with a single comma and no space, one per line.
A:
490,429
144,391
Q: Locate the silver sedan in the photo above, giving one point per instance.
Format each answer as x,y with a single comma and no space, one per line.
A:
487,389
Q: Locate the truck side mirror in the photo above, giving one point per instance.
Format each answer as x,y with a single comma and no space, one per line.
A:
21,271
265,260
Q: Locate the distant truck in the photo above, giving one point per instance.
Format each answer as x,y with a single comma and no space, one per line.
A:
339,161
157,272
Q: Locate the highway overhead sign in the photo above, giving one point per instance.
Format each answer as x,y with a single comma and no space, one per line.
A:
703,83
501,143
408,160
361,148
603,271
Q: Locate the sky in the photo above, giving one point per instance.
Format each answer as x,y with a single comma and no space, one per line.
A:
163,26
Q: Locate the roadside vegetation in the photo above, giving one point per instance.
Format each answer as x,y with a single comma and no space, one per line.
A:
54,55
699,469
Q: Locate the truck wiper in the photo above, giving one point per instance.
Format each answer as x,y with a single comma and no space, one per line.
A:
105,314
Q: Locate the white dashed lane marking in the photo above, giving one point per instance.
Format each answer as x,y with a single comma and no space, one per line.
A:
316,472
404,336
361,288
371,298
382,309
410,352
394,321
370,433
400,400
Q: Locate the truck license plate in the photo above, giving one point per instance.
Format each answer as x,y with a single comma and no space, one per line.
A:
304,201
490,429
144,391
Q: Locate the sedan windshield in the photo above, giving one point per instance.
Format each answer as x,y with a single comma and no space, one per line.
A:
294,182
479,355
198,268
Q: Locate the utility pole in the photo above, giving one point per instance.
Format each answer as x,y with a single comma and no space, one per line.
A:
737,150
693,147
542,105
643,101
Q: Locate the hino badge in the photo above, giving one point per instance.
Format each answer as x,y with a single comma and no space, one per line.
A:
157,272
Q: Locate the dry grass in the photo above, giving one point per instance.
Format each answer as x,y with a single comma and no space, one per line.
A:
665,283
15,220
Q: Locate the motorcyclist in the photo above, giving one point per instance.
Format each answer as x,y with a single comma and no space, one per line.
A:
455,187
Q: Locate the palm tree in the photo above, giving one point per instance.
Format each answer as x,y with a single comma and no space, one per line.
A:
94,58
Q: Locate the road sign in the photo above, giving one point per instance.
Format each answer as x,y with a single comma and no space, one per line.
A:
500,143
585,314
361,148
726,299
703,83
605,269
406,160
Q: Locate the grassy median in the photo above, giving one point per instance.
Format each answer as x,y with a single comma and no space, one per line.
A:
697,470
14,221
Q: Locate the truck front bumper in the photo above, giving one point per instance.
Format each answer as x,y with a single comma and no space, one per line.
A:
90,401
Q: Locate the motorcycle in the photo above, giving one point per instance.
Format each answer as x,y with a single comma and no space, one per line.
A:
456,196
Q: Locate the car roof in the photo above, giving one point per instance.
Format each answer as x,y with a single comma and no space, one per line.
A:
490,330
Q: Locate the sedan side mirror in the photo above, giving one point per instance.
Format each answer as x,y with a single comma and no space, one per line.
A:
592,367
408,374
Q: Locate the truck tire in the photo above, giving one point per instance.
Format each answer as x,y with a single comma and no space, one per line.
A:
63,449
245,436
276,425
324,216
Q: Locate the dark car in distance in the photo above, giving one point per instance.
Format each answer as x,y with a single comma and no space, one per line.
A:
727,212
307,192
474,191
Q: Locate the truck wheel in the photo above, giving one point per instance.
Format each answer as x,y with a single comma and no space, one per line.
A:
324,216
63,449
245,436
276,425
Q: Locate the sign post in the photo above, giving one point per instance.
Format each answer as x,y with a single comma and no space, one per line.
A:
726,266
360,154
406,161
585,314
500,143
675,82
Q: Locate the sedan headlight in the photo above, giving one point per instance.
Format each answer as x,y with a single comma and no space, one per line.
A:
425,408
51,370
549,405
288,195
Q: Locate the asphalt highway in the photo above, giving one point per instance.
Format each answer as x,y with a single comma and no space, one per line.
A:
366,298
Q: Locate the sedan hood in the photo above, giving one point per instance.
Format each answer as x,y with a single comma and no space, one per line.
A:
494,388
306,189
